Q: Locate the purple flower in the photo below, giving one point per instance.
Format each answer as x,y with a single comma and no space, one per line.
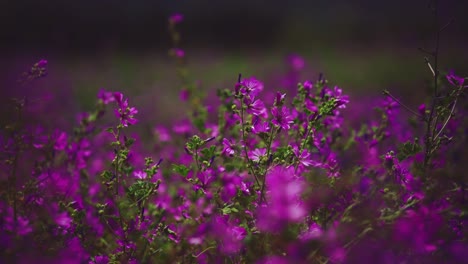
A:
101,260
260,127
331,166
284,200
251,86
124,112
206,177
63,220
454,79
229,235
105,97
279,100
314,232
310,106
257,154
61,141
80,152
178,53
140,175
422,110
254,106
304,157
42,63
228,147
296,62
308,86
162,133
281,117
40,138
341,100
176,18
21,226
184,95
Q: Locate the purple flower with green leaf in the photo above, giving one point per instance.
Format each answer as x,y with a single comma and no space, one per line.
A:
124,112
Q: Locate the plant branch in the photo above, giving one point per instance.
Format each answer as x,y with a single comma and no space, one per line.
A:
387,93
447,120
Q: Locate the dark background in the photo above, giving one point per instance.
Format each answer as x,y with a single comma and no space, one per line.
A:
89,26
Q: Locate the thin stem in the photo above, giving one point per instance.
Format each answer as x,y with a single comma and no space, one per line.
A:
309,130
385,92
426,51
262,191
429,140
448,119
245,143
13,176
430,66
206,249
116,165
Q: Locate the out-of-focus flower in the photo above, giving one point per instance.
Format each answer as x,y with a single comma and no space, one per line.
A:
454,79
229,234
178,53
284,192
105,96
140,175
176,18
296,62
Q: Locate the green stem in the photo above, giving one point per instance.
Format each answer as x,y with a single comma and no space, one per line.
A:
429,140
245,143
270,140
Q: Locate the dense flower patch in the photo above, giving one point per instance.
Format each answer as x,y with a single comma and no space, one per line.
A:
257,176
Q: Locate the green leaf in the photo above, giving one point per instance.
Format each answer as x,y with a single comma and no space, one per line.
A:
408,149
180,169
129,142
207,153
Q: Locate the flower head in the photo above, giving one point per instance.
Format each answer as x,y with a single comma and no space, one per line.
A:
124,112
257,154
304,157
254,106
228,147
260,126
251,86
281,117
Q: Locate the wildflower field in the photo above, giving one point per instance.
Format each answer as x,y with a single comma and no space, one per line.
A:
287,169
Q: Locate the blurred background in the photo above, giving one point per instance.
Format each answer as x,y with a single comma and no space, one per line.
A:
363,46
